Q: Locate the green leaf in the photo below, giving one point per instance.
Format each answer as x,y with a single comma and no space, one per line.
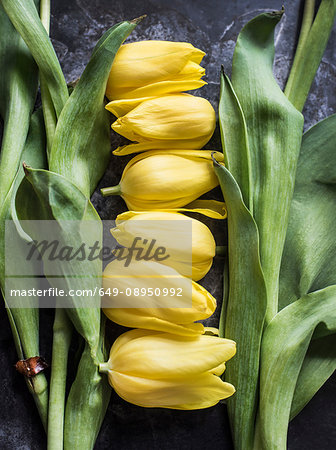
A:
274,130
81,146
87,403
282,359
245,312
45,195
26,20
235,140
34,152
25,321
309,258
18,88
319,364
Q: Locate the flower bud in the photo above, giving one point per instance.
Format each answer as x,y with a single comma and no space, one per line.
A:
155,297
164,179
162,370
188,241
153,68
174,121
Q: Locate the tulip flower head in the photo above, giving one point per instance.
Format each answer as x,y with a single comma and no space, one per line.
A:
174,121
165,179
153,68
155,297
189,242
152,369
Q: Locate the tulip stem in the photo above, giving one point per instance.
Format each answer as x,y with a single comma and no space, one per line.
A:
221,250
61,342
307,21
104,367
312,43
113,190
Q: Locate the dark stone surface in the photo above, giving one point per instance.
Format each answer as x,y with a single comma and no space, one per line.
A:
212,26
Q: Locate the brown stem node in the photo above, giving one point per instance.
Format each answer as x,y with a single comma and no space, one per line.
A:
31,367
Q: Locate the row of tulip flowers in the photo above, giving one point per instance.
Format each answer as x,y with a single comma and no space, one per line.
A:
170,359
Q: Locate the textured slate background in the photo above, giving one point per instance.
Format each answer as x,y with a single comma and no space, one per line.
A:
212,26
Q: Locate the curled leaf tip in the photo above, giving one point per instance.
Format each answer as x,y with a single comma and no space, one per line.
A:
278,13
138,19
72,84
113,190
25,168
214,160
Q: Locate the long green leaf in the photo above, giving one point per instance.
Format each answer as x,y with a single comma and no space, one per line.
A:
45,195
25,321
34,153
88,401
18,89
309,257
246,310
81,145
274,129
282,359
26,20
319,364
235,140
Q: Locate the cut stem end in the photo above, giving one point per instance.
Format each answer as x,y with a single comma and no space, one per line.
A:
113,190
104,367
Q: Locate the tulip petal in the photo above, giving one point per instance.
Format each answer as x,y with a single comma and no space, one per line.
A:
218,210
131,317
210,208
174,356
215,210
152,48
204,154
159,88
211,331
219,370
163,313
165,179
139,204
127,337
191,255
155,61
193,144
170,117
200,270
121,107
193,393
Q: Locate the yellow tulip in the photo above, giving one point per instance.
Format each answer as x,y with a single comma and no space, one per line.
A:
153,68
174,121
189,242
154,296
162,370
163,179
